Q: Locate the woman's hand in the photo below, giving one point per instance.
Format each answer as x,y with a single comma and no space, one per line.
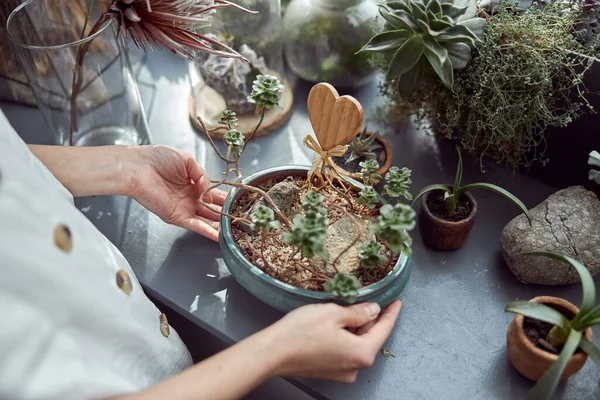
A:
169,183
316,343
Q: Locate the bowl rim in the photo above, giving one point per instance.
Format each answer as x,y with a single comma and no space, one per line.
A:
226,235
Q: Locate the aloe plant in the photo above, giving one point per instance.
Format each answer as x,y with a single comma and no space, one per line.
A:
452,195
594,159
363,146
422,35
565,332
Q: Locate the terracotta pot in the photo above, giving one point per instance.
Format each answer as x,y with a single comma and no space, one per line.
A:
441,234
533,362
383,169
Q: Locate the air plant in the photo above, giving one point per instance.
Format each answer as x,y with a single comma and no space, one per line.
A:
155,24
566,333
594,159
452,195
344,287
363,146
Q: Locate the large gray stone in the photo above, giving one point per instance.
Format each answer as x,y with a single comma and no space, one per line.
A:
283,194
567,222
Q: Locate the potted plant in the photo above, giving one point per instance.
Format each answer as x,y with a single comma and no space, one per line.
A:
447,213
365,146
550,339
294,235
492,75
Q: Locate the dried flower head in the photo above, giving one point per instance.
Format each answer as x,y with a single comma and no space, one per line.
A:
170,24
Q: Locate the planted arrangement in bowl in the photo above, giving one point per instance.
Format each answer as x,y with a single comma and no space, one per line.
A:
550,339
298,235
366,146
448,213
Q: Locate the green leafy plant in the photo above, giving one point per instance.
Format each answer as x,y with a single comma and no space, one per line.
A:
363,146
367,198
229,118
565,332
309,230
263,219
266,92
452,195
425,35
392,224
344,287
368,172
234,140
371,254
594,159
397,183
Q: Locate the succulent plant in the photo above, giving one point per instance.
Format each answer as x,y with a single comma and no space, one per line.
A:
367,197
392,225
263,219
309,230
421,35
363,146
368,172
229,118
594,159
266,92
397,183
234,140
371,254
343,287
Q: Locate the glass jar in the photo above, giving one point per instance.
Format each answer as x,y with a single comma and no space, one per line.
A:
225,83
323,36
104,106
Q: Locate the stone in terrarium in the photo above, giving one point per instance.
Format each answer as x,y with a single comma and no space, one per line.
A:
232,78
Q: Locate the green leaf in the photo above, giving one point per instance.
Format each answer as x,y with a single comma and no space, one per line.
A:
587,282
399,20
452,11
412,79
398,5
590,349
418,11
590,316
459,54
429,189
434,6
459,171
406,57
476,26
458,33
385,41
437,56
545,387
498,190
424,26
538,311
440,25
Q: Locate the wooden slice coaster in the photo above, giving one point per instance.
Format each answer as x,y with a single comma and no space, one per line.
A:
211,104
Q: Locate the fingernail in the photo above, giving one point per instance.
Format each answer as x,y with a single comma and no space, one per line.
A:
372,309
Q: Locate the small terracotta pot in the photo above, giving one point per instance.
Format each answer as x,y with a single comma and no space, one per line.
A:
383,169
533,362
441,234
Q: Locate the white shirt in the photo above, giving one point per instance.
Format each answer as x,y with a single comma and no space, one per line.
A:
69,328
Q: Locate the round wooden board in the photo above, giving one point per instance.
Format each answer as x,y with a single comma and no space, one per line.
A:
212,105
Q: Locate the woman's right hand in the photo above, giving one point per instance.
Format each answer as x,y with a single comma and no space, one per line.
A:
314,342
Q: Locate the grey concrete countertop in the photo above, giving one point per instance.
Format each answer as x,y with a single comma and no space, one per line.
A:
449,342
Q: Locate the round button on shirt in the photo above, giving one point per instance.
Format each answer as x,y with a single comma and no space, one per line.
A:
75,321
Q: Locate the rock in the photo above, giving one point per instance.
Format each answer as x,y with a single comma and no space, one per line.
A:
340,235
567,222
283,194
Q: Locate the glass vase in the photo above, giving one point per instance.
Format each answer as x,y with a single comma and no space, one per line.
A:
323,36
225,83
79,73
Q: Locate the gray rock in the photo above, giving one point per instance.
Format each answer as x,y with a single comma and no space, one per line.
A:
567,222
283,194
340,235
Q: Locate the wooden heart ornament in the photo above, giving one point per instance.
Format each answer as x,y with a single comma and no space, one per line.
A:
336,120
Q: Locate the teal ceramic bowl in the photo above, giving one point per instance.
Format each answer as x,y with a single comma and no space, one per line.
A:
285,297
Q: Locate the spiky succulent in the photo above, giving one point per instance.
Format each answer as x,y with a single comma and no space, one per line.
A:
367,197
343,287
594,159
234,140
266,92
368,172
391,226
263,219
371,254
421,35
229,118
363,146
397,183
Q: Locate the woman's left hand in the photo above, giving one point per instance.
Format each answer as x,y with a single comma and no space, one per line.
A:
169,183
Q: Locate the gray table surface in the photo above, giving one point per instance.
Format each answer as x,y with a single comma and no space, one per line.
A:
449,342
